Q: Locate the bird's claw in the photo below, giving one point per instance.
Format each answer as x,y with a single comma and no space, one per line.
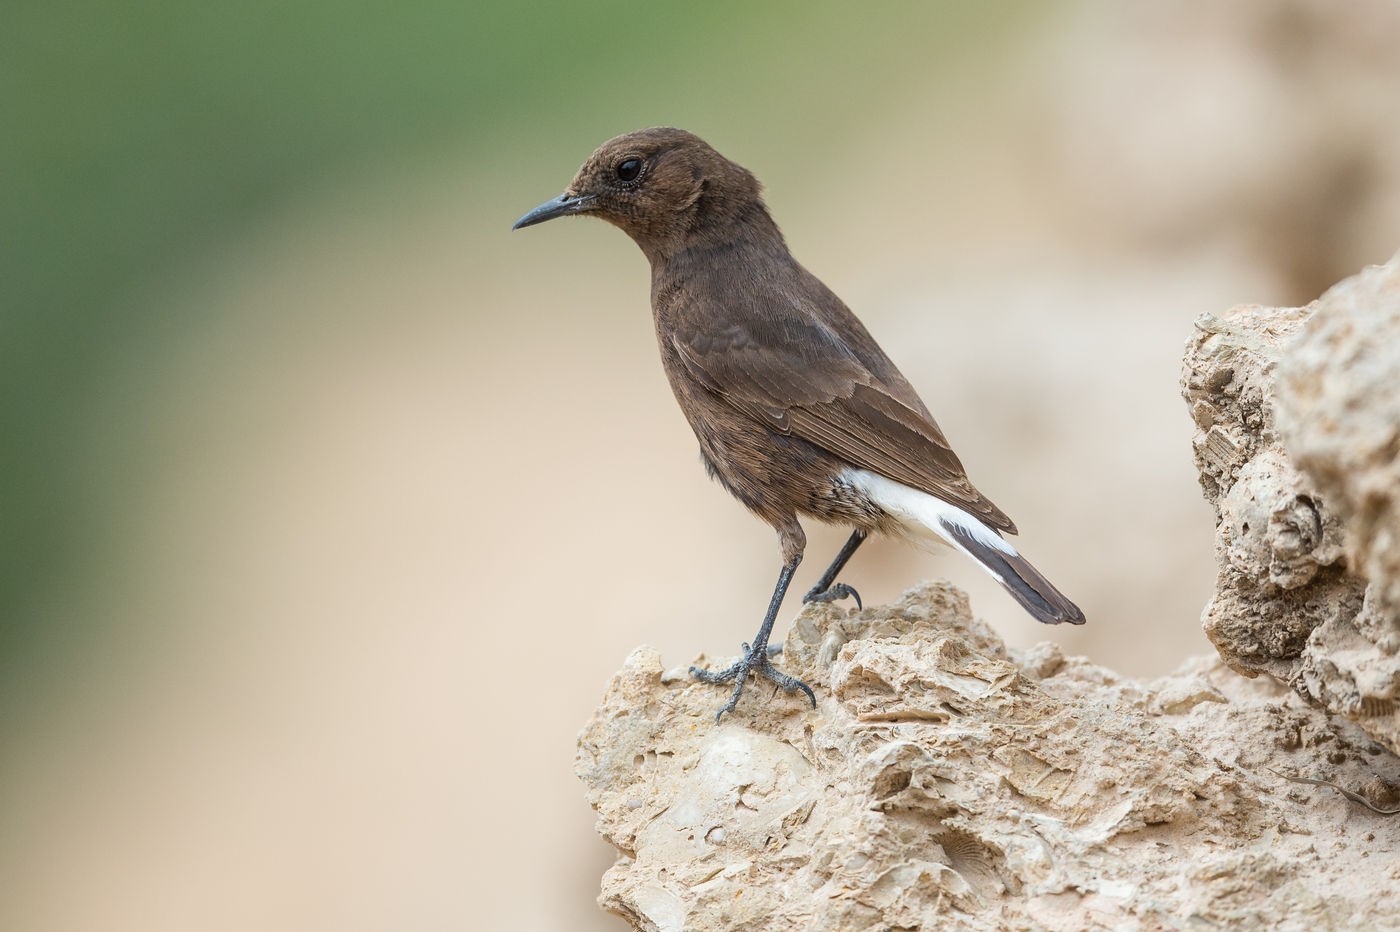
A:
753,661
832,593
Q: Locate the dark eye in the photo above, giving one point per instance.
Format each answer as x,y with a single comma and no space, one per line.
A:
629,169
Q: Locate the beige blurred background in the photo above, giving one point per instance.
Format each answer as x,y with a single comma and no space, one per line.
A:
332,504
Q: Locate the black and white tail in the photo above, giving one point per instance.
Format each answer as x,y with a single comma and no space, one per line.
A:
926,519
1014,572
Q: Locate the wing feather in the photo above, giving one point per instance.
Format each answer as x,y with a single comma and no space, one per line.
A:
793,373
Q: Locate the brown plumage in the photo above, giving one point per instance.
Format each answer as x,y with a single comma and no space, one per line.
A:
798,411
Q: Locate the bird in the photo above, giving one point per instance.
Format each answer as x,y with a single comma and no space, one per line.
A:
797,410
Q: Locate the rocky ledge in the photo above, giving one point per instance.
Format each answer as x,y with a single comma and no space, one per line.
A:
946,781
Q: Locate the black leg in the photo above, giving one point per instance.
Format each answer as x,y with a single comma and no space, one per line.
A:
755,659
827,588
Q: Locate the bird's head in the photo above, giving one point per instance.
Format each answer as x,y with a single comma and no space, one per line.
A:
664,187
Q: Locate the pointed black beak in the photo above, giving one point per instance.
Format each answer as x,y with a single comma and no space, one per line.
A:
561,206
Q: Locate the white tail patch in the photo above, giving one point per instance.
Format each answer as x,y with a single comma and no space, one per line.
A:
923,517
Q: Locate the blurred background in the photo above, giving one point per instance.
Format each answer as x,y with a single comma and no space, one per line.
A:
329,505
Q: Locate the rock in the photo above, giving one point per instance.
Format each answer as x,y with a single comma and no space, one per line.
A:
1339,414
1297,444
948,782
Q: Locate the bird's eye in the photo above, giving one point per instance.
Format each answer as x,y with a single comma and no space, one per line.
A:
629,169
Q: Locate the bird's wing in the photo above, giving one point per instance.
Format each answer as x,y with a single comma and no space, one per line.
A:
795,374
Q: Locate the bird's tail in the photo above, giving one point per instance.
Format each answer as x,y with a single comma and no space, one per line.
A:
1025,583
927,519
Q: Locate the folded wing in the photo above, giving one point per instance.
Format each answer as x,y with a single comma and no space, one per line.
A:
794,373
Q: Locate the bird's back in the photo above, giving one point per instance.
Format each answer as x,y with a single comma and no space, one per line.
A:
746,321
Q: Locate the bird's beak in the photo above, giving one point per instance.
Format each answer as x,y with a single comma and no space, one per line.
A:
561,206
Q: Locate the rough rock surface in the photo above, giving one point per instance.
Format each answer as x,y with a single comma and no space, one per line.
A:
1339,414
947,782
1298,446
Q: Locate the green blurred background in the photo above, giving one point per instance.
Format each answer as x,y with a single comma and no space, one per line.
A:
329,505
148,139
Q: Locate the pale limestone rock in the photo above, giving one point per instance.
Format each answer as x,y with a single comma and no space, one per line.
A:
1339,413
946,782
1308,529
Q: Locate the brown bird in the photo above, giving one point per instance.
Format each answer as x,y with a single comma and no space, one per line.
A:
797,409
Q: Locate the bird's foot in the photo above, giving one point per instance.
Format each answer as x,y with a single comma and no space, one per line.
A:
831,594
753,661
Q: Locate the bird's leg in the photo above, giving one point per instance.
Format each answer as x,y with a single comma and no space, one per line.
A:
827,588
755,659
